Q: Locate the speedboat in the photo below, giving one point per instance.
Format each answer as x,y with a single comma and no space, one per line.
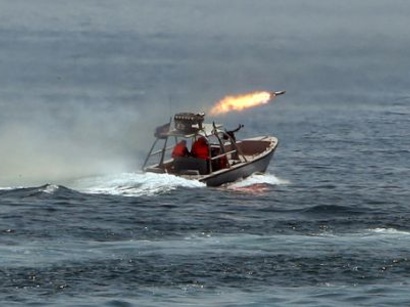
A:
228,159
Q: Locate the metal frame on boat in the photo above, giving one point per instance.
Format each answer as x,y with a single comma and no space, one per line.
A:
229,159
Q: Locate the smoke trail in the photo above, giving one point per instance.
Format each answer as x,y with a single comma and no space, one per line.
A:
43,142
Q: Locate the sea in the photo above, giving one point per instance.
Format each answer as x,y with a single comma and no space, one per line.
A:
85,83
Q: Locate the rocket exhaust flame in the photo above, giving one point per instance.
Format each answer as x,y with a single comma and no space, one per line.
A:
241,102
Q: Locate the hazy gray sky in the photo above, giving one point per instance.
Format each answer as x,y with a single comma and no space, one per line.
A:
238,18
85,81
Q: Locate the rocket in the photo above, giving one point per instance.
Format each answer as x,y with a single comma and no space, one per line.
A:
245,101
277,93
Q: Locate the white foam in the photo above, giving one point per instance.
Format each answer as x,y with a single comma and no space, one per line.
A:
256,179
50,188
8,188
134,184
389,231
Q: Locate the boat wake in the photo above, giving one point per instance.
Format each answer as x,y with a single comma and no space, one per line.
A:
133,184
145,184
148,184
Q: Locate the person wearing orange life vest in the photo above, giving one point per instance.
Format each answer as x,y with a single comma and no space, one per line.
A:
180,150
200,149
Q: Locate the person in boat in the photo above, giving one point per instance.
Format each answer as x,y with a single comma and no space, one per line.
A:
231,133
200,149
180,150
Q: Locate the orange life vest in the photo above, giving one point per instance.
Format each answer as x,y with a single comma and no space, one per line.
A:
200,149
180,150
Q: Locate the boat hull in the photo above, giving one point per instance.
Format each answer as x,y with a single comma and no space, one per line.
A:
238,172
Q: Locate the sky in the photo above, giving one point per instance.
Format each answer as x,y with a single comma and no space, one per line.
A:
85,82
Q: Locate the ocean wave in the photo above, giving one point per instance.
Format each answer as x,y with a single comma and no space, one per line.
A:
332,210
46,190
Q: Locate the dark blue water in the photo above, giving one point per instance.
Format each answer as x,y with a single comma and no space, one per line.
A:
83,88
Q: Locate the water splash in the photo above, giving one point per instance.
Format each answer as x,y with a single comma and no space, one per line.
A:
257,183
134,184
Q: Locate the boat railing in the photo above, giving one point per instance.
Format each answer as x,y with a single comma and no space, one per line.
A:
225,154
236,150
157,154
161,150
